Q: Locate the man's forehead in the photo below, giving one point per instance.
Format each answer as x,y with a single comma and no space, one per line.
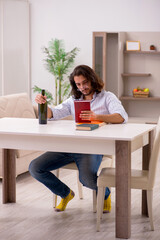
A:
82,78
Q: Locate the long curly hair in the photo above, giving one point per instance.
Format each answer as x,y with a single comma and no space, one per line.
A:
87,72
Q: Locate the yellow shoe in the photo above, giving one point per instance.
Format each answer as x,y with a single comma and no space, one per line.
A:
107,205
64,201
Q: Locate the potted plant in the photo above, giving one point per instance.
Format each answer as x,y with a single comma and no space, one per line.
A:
58,62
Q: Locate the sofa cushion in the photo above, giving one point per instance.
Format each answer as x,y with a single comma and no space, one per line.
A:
21,153
16,105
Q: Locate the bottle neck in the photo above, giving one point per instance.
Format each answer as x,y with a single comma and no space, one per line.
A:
43,92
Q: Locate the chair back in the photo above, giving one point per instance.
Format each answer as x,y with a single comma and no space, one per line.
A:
154,156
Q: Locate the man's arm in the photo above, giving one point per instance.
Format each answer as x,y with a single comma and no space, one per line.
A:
49,113
108,118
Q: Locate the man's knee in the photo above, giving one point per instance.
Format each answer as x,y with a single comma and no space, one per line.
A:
89,181
33,168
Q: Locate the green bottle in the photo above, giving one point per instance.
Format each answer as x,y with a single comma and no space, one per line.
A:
42,110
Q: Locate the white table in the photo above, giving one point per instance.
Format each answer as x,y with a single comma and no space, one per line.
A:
118,139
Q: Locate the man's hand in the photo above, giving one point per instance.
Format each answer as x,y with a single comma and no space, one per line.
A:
108,118
88,115
40,99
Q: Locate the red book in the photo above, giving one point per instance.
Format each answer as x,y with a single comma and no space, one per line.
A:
81,105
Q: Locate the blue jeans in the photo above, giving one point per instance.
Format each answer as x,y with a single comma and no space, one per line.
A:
88,164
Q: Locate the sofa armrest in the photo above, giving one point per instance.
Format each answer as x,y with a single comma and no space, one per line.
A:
35,108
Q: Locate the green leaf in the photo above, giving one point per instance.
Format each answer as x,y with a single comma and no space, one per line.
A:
59,63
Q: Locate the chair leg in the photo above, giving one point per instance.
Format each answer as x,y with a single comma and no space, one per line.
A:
80,191
100,200
150,209
56,172
104,189
94,201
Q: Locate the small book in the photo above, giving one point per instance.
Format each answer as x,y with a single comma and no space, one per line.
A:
87,126
81,105
100,123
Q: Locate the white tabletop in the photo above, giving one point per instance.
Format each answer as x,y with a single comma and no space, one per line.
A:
66,128
61,136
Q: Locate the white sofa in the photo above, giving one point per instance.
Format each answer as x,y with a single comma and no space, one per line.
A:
18,105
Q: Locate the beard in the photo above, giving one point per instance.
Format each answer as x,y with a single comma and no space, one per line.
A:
87,92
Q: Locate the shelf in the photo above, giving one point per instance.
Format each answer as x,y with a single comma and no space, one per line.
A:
143,52
136,74
131,98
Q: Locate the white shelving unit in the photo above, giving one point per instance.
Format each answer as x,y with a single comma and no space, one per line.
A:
126,70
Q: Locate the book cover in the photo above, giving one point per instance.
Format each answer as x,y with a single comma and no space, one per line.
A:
87,126
81,106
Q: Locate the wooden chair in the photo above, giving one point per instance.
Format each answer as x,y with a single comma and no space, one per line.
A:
140,179
107,161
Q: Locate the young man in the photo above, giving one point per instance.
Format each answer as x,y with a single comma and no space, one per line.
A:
105,107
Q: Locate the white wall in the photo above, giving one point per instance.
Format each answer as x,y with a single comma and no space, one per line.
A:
74,21
14,47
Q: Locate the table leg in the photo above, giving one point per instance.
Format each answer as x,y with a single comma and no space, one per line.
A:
9,176
146,153
123,189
